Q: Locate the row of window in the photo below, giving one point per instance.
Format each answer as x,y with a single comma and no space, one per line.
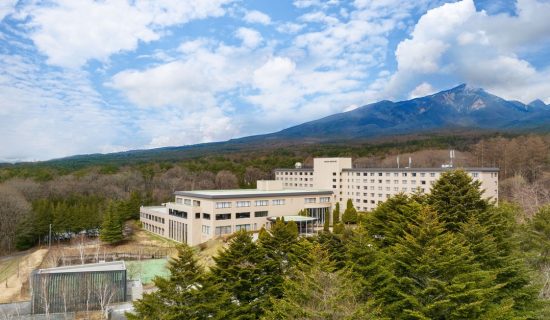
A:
151,217
387,181
298,185
238,215
195,203
294,173
388,174
222,230
154,229
295,179
243,204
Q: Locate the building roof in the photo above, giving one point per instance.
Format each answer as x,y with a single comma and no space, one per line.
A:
249,193
420,169
89,267
294,169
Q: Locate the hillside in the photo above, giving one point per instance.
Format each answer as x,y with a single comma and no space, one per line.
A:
458,110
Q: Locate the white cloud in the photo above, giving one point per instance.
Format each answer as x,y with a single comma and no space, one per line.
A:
7,7
273,73
71,32
256,16
250,37
290,27
460,44
422,90
49,114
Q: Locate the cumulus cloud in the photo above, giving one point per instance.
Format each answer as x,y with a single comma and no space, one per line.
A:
422,90
256,16
250,37
457,42
71,32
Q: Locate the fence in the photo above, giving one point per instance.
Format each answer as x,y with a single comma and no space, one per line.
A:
113,256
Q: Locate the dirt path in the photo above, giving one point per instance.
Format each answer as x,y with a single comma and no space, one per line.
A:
15,271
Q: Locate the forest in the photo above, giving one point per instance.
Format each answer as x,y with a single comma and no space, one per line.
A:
447,255
74,198
414,257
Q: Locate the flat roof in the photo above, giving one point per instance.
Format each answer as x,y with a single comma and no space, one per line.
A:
89,267
159,209
293,169
249,193
293,218
422,169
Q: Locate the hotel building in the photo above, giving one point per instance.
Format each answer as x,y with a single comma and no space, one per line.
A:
198,216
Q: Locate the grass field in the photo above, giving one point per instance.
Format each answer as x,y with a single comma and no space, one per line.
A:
147,270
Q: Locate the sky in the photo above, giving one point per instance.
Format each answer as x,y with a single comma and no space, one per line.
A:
85,76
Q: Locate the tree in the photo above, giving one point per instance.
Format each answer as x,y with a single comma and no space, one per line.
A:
336,214
390,219
13,209
315,290
111,228
239,270
431,273
456,197
226,180
339,228
188,293
350,214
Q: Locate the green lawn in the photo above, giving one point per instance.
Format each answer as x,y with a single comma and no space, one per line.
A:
146,270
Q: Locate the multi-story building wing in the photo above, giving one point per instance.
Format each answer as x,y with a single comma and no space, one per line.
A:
367,187
198,216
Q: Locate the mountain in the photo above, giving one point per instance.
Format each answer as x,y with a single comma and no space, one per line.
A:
460,108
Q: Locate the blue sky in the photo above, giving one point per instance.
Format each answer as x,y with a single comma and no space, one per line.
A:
84,76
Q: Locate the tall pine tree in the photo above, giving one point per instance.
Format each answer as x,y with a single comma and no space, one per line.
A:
111,228
350,214
188,293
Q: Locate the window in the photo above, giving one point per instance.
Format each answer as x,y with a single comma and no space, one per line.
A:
178,200
372,174
414,174
206,229
278,202
422,174
324,199
334,173
379,174
223,216
220,205
422,181
396,174
243,215
259,214
432,174
475,174
196,203
371,180
262,203
404,174
223,230
396,181
197,215
245,227
404,181
309,200
187,202
241,204
177,213
333,186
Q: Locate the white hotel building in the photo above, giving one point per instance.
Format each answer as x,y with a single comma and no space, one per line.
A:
198,216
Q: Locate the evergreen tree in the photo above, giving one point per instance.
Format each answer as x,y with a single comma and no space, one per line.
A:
317,291
111,228
350,214
334,245
339,228
456,197
188,293
390,219
240,271
538,237
326,223
336,214
282,250
432,274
